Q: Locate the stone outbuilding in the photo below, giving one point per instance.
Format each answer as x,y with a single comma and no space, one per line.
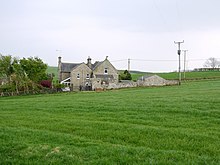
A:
154,80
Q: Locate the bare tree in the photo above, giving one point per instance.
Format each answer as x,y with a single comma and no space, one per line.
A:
212,63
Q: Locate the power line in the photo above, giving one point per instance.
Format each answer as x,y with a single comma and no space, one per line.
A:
159,11
154,60
151,60
184,70
119,60
126,63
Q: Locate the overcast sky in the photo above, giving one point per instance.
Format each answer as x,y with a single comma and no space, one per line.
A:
142,30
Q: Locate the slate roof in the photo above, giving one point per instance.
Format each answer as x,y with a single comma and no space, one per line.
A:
67,67
148,76
145,77
96,64
126,82
104,76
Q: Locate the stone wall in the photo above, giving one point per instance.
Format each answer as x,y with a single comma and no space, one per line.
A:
127,84
150,81
122,84
172,82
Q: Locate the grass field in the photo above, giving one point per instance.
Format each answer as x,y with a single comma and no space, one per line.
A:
164,125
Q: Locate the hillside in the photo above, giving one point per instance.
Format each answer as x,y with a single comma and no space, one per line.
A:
172,75
53,69
189,75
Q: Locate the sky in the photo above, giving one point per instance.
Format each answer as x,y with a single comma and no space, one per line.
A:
141,30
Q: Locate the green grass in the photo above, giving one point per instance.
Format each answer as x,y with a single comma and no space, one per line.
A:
164,125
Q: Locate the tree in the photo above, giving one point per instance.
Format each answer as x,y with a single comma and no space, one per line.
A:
6,68
212,63
125,75
18,75
12,72
35,68
21,75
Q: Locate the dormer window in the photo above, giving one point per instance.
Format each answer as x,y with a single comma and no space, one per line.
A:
106,71
78,77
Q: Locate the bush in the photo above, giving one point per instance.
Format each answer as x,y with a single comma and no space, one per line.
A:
7,88
59,86
46,83
125,76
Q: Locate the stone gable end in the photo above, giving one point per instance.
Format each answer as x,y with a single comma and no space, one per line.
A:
100,70
79,75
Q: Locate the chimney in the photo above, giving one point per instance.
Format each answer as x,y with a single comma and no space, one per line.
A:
59,60
59,69
89,62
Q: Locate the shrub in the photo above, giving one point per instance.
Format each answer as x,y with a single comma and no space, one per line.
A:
125,76
46,83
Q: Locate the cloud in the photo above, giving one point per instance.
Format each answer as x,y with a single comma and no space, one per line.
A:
121,29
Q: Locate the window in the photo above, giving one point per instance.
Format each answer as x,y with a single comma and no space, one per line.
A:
78,77
106,71
87,76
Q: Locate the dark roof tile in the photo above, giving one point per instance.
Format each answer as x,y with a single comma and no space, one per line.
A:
96,64
144,77
104,76
67,67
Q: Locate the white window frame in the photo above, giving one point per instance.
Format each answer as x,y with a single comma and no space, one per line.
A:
87,76
106,71
78,76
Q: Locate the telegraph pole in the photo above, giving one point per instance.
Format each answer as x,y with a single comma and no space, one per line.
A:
184,70
179,52
129,63
59,66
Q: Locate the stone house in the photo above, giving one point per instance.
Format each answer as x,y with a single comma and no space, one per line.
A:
87,76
